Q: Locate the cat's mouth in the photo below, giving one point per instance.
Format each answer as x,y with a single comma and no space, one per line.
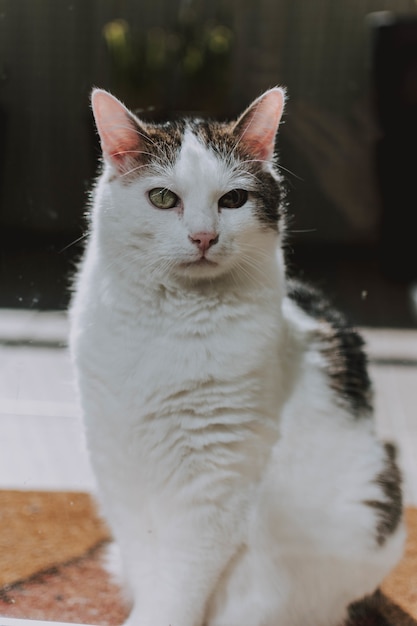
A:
200,268
201,262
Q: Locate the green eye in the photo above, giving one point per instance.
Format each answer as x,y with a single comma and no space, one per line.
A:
233,199
163,198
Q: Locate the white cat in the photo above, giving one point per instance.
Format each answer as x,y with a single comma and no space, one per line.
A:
227,409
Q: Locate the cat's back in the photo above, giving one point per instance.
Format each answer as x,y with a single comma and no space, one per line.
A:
330,345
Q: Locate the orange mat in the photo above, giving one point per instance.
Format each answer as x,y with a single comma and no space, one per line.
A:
51,547
39,530
401,584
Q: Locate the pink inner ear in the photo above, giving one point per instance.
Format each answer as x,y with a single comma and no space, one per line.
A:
258,126
118,130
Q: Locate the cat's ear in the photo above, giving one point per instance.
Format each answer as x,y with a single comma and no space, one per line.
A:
256,129
120,135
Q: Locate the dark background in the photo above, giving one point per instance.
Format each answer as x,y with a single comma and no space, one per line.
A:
347,147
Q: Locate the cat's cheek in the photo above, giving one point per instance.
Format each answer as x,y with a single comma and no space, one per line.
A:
236,221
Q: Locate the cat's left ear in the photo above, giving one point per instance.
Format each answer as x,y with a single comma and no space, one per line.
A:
256,129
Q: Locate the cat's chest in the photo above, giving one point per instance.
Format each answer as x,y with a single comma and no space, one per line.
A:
189,359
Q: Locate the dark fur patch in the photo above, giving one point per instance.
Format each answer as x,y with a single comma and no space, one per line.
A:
159,146
342,347
377,610
268,190
165,140
389,510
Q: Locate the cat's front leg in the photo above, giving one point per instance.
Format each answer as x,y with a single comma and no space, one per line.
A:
174,569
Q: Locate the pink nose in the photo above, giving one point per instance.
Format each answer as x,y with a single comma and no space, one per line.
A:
204,241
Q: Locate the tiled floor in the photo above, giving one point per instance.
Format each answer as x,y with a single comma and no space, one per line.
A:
40,433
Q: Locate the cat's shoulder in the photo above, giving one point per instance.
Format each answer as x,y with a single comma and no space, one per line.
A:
341,345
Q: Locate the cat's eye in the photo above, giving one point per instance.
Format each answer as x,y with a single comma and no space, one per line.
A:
233,199
163,198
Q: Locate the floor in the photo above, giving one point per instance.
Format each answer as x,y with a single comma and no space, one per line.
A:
40,432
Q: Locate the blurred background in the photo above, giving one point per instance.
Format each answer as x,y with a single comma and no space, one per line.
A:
348,147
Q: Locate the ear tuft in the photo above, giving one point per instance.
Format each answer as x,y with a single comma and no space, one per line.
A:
119,132
258,126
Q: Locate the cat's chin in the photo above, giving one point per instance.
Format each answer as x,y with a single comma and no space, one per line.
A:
201,269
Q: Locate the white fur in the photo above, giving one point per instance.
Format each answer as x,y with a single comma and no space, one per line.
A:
230,476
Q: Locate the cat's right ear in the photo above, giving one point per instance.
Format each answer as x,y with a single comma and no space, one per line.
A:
120,135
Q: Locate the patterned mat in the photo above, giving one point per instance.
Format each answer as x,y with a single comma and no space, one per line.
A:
51,552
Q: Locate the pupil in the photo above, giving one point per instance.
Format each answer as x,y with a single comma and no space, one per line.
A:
163,198
235,198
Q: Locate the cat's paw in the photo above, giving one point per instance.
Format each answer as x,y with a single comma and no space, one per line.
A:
112,561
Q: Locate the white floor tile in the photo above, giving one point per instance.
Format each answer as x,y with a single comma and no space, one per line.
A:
43,452
35,374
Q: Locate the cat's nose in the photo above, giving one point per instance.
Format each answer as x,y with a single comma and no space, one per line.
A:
204,241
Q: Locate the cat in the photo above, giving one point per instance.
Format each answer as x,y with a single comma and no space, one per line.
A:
227,408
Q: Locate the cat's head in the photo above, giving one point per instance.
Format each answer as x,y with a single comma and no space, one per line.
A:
191,199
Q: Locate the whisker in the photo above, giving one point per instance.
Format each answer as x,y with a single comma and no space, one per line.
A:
302,230
281,167
83,236
138,153
134,169
246,130
233,276
136,129
245,271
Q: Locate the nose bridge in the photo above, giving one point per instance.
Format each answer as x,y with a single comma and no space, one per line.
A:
198,173
200,215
